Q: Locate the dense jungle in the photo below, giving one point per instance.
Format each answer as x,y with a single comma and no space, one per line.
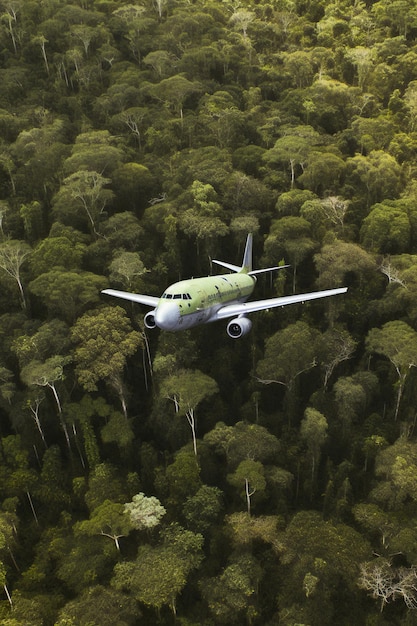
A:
139,141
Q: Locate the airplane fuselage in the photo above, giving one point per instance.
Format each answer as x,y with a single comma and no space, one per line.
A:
191,302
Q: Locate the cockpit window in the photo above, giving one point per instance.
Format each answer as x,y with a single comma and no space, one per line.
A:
177,296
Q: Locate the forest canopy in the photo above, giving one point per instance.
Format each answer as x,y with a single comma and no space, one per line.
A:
156,478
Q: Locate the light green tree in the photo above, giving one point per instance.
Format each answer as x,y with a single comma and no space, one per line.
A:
126,269
83,193
48,374
232,594
160,572
313,431
187,389
13,254
249,478
145,512
397,341
98,359
109,519
67,294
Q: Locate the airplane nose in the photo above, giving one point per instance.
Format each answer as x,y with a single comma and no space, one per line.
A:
167,316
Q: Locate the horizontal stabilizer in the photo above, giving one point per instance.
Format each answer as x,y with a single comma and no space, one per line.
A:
133,297
268,269
229,266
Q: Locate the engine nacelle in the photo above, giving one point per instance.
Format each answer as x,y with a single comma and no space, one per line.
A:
149,319
238,327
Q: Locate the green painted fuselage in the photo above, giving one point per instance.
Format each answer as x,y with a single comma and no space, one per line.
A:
191,302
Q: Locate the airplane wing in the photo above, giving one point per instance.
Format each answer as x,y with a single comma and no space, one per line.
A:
134,297
231,310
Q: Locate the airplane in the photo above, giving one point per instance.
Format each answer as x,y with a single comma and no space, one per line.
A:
195,301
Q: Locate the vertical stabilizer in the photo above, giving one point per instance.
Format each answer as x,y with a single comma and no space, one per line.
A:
247,257
246,267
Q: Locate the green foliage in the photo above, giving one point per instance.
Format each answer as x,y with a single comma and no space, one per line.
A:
104,340
159,573
137,142
99,606
144,512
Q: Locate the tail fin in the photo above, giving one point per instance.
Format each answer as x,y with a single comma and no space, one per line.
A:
247,257
246,267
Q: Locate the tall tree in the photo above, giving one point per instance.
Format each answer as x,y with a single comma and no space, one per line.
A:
187,389
104,359
314,432
397,341
13,254
160,572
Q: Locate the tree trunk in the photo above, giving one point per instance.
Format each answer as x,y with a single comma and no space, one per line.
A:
191,421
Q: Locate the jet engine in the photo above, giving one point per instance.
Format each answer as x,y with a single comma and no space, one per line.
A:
238,327
149,319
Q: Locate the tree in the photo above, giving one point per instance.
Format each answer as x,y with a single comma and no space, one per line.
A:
292,148
99,606
136,23
373,519
118,430
203,220
289,353
231,594
13,254
289,236
314,432
134,186
94,151
397,341
336,259
126,269
203,509
104,484
246,529
377,175
104,339
173,91
388,228
109,519
144,512
7,386
160,573
67,294
161,62
387,583
323,172
249,478
187,389
337,346
319,558
298,67
363,59
350,398
47,374
83,192
396,468
223,117
243,441
58,251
